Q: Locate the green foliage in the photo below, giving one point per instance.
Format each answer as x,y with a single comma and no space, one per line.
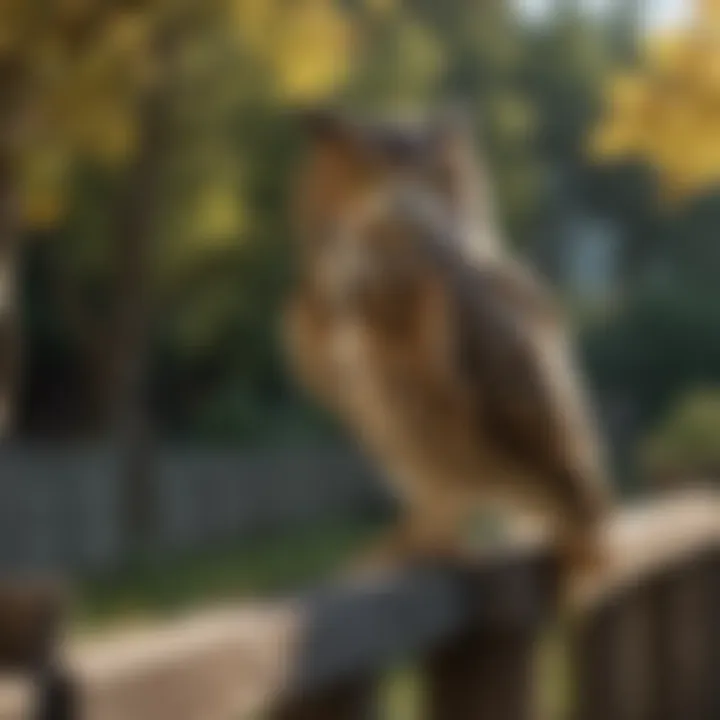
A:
687,443
655,347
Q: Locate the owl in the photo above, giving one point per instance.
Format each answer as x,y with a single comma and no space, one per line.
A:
440,352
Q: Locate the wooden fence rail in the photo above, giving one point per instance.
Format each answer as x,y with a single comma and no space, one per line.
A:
643,637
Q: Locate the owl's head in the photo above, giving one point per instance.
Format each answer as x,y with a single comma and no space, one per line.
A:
352,161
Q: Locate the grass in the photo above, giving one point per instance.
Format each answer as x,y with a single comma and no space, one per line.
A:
401,694
150,588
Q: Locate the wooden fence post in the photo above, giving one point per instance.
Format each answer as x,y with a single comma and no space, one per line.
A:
684,675
485,671
349,700
609,652
713,563
482,675
57,697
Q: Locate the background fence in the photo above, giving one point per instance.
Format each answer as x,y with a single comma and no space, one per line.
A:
61,508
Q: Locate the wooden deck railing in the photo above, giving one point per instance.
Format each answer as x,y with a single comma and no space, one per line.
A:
647,642
643,639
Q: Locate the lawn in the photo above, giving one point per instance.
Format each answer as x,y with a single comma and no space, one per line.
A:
150,588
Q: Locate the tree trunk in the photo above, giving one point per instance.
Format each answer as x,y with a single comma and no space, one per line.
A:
10,334
134,264
14,101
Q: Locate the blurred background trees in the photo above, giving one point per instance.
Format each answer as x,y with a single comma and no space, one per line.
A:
69,76
143,200
684,446
664,109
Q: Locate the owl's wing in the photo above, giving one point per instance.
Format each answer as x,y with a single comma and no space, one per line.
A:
520,376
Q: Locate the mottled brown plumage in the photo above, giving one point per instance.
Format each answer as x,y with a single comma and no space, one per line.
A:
442,354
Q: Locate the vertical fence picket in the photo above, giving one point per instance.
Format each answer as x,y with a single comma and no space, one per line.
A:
713,629
350,700
482,674
610,660
682,609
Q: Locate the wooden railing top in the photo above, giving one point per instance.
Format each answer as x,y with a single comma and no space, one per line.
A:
233,662
647,539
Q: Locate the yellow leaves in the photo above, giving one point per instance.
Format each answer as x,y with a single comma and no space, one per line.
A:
709,79
42,208
128,39
628,93
108,133
42,184
667,112
114,66
17,20
710,10
94,105
71,11
82,96
91,61
628,105
382,7
206,226
612,141
667,54
312,50
10,24
95,110
305,45
218,217
254,20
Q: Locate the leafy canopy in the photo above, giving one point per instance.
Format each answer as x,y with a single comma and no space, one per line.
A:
666,111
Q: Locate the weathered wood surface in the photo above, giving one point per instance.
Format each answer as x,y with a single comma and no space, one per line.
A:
483,673
32,612
232,662
647,639
228,663
646,540
348,700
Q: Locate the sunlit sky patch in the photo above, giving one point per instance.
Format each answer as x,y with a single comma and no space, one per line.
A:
657,14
